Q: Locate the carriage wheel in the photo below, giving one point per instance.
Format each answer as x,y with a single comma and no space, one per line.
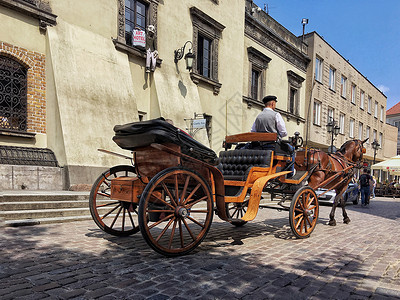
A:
304,211
236,211
115,217
175,211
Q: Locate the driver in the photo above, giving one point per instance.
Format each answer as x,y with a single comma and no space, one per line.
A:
270,120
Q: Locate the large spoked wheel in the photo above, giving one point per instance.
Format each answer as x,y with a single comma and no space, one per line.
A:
236,211
304,211
115,217
175,211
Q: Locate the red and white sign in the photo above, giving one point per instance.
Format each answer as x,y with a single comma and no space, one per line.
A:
139,38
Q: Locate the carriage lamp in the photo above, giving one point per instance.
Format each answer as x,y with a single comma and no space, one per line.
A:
333,129
189,57
375,146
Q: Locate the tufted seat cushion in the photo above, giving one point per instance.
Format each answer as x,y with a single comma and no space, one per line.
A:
235,164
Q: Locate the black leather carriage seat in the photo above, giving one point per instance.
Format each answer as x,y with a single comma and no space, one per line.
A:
236,164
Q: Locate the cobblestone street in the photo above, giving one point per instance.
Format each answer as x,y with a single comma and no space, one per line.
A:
261,260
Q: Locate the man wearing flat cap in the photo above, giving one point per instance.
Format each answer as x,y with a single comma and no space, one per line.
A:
269,120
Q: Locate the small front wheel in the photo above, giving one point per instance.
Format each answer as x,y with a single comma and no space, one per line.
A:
303,214
175,211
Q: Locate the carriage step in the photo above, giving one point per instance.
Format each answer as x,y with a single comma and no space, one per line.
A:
298,175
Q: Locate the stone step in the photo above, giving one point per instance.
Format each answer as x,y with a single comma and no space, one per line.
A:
44,213
26,197
36,205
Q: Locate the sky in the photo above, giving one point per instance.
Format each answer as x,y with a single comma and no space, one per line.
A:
366,32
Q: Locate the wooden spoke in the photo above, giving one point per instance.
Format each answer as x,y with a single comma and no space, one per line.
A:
185,188
172,234
177,189
191,194
116,217
164,230
104,194
112,210
160,221
162,200
188,229
195,202
169,194
196,222
108,204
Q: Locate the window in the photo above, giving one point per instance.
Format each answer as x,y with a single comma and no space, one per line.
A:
204,56
380,138
317,113
206,35
367,133
294,82
360,130
343,84
258,63
255,83
292,100
330,114
341,123
374,135
362,99
353,93
376,110
332,78
381,117
135,18
369,105
351,128
13,95
318,69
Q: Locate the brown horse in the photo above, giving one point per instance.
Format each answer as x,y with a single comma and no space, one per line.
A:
332,171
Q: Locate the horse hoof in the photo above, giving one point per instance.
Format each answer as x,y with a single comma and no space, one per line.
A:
332,223
346,220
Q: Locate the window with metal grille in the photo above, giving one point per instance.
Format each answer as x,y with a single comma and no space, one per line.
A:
135,18
204,56
13,95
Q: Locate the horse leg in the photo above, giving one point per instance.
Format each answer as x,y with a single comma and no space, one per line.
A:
332,221
346,219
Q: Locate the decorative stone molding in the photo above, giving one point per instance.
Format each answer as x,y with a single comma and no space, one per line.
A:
257,58
294,79
35,8
212,29
151,19
269,39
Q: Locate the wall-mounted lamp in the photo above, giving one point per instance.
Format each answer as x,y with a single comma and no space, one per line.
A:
189,57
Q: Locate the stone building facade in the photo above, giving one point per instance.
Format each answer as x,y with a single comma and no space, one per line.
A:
338,92
83,76
393,118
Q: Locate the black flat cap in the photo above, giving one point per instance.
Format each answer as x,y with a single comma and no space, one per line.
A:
269,98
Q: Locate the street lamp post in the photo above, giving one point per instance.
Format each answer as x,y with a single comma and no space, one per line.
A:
375,146
333,129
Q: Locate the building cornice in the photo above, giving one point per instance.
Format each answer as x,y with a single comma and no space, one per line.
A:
267,38
40,11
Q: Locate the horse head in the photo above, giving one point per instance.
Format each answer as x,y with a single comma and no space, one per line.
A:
353,150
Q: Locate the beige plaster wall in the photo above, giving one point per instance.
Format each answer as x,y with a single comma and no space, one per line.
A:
92,88
13,23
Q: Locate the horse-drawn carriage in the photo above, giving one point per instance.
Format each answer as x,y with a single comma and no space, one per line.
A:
175,185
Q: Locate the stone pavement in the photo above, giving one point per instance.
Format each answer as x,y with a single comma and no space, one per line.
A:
261,260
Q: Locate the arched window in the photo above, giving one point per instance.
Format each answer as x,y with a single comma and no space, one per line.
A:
13,95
